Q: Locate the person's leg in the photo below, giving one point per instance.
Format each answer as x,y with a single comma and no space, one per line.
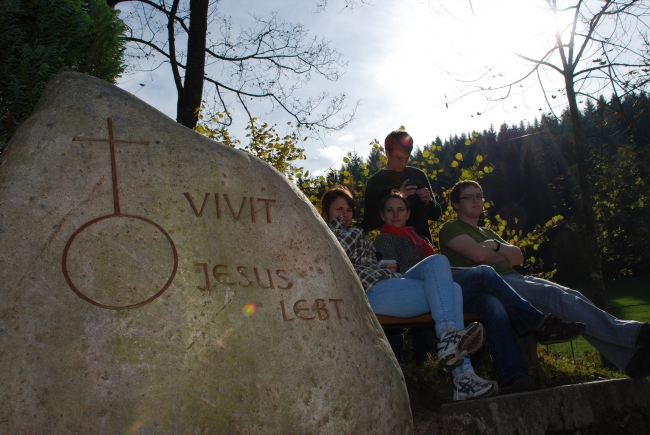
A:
423,339
467,384
427,287
402,297
507,359
395,338
613,337
484,280
435,275
466,366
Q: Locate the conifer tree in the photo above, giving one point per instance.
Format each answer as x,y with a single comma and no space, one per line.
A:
42,39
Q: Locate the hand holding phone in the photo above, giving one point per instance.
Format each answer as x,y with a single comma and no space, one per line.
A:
406,189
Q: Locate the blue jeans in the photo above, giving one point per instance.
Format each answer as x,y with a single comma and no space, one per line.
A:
485,293
612,337
427,287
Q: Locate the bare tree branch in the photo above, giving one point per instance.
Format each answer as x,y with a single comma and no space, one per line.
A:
271,61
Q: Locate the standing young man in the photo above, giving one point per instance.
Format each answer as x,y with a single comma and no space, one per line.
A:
412,182
465,244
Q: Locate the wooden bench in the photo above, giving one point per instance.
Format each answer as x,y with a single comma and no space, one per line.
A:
423,320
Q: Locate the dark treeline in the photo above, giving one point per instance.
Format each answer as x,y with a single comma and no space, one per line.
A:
534,179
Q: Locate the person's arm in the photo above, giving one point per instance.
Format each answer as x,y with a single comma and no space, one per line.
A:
510,253
345,236
371,218
433,208
484,253
385,246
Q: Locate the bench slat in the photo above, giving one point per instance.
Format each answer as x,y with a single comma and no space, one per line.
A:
423,320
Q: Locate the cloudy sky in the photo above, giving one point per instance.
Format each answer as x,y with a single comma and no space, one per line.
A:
405,60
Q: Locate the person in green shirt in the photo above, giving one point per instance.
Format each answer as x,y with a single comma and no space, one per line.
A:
624,343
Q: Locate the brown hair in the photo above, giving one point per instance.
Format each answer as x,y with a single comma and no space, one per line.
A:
398,139
331,195
394,194
454,194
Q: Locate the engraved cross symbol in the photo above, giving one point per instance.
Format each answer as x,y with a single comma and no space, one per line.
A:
112,141
116,214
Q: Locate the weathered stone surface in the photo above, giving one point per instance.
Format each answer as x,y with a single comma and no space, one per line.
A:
123,294
551,410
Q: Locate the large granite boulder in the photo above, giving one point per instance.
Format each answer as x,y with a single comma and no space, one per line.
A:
155,282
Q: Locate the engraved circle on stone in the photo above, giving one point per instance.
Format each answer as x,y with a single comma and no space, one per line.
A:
118,275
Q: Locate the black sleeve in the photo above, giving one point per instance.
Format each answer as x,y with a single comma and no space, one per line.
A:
433,209
384,245
371,218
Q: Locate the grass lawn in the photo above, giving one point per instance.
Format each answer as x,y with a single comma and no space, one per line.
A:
627,299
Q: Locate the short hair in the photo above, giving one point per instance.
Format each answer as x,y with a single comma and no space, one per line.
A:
394,194
398,139
331,195
454,194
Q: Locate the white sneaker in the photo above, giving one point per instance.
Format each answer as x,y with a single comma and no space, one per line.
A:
470,386
456,344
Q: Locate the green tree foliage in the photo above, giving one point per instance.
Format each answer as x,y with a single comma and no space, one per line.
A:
265,143
620,171
535,179
44,38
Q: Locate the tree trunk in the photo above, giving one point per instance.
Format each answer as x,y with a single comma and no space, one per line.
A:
189,98
587,199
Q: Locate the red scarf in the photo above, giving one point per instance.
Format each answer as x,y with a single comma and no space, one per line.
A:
423,248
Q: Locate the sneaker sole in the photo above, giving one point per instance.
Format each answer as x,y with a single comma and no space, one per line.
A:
493,391
467,346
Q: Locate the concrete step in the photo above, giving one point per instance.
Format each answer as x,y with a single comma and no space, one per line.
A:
544,411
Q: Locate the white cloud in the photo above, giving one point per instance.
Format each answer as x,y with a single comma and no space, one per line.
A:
332,153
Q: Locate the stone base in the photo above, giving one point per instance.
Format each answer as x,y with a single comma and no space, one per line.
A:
544,411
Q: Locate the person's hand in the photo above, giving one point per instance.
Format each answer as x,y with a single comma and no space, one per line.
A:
424,195
407,190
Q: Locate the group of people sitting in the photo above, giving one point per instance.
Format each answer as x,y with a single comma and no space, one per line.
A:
404,277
